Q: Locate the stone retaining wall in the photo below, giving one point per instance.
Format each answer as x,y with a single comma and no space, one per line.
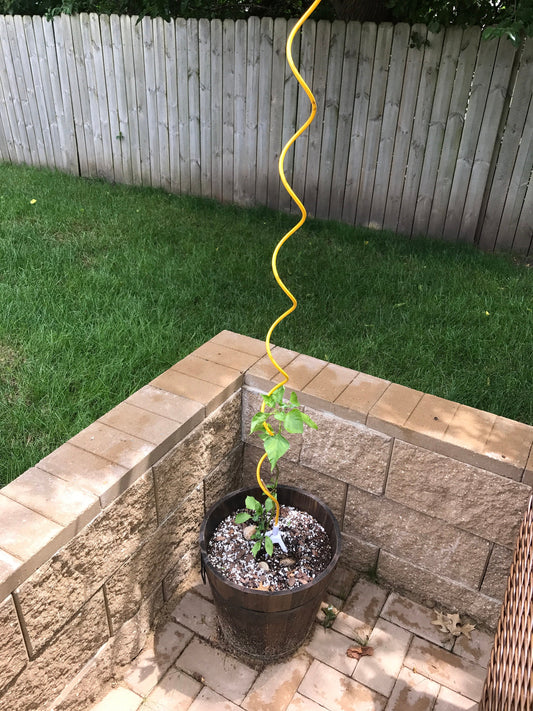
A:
101,535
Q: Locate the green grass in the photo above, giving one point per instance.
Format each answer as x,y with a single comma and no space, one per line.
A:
102,287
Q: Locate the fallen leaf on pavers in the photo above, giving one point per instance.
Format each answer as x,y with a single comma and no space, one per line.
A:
452,624
358,652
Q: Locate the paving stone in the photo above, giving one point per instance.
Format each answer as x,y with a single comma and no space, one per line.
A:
403,531
156,658
415,618
347,451
391,411
412,692
216,352
426,586
329,383
446,668
12,573
330,647
26,533
361,610
217,670
361,394
119,699
508,446
448,700
13,655
276,685
63,584
197,614
477,649
208,700
209,371
180,409
337,692
379,671
238,342
119,447
175,692
105,479
302,703
473,499
263,375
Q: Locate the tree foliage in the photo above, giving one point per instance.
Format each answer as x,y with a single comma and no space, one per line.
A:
512,18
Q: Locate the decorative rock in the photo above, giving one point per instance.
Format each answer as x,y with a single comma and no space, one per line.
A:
248,532
263,565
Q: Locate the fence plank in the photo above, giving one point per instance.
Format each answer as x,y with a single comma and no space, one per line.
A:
216,108
132,117
276,111
43,89
183,105
507,156
436,128
263,109
301,147
523,241
112,119
239,112
228,104
344,124
19,52
288,124
12,101
193,90
488,141
171,81
454,129
121,142
162,102
204,49
411,83
148,51
391,110
26,38
415,159
331,118
252,106
25,135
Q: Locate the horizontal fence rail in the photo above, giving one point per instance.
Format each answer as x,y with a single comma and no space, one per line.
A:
434,139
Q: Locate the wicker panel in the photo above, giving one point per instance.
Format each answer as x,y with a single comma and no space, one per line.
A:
509,685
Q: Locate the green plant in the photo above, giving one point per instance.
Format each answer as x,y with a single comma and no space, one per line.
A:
261,517
290,418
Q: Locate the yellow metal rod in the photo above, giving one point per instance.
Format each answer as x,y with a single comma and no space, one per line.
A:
296,199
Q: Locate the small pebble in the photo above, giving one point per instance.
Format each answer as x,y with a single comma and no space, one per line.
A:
248,532
263,565
287,561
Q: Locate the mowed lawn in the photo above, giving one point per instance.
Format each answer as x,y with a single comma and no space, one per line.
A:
102,287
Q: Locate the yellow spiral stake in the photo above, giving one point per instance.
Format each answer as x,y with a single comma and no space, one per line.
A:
293,195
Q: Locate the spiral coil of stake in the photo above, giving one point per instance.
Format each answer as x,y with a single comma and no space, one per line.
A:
274,534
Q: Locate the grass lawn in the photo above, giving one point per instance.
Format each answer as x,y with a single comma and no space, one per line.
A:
102,287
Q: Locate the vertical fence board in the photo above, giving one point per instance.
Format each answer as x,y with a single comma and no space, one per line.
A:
12,102
228,106
523,240
288,126
132,116
515,130
171,80
263,109
16,95
147,30
19,52
43,87
193,91
251,109
276,111
239,112
216,108
411,83
204,49
415,159
344,124
436,128
301,147
162,102
488,139
112,101
183,105
141,104
374,122
331,118
101,94
454,129
391,110
120,130
7,146
36,92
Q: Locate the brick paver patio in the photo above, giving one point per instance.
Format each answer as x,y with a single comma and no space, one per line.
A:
414,666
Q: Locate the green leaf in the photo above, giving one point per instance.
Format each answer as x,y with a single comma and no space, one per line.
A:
269,505
294,422
252,503
256,548
308,421
276,447
294,399
269,546
257,421
242,517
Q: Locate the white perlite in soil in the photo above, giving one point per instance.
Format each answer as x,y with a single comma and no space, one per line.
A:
308,553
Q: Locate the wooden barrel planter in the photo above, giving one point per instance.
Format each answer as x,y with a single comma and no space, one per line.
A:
266,625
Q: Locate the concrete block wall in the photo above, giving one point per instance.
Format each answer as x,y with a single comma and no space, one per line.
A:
101,535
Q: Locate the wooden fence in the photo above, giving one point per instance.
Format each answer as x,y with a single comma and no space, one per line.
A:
435,140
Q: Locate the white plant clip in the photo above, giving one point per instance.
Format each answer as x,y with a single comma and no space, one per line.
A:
275,537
